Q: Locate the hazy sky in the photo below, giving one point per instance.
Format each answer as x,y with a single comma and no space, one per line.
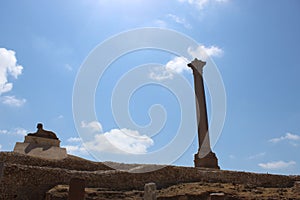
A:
254,44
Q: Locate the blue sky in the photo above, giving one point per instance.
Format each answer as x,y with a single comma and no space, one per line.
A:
254,44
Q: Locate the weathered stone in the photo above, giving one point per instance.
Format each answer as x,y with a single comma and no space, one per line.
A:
26,180
41,151
1,169
207,161
183,198
150,191
297,187
217,196
76,189
41,141
204,157
42,144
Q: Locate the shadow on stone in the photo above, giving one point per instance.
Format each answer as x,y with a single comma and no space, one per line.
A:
32,146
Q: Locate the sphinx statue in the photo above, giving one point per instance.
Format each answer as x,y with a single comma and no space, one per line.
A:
43,133
42,144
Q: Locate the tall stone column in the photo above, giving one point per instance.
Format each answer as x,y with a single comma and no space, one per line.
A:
204,157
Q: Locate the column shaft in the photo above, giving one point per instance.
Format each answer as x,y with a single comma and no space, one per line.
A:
204,157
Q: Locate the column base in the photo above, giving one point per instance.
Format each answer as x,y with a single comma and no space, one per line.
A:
209,161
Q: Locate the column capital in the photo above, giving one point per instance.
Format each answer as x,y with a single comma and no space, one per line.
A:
197,65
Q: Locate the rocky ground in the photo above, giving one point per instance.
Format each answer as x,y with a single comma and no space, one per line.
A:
186,191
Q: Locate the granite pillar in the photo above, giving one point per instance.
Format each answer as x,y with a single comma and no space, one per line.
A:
204,157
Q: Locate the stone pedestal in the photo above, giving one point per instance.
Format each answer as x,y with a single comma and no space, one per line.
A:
41,141
210,160
41,151
41,148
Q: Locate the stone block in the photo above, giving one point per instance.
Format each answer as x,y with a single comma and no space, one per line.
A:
217,196
209,161
76,189
297,187
41,150
150,191
1,169
42,141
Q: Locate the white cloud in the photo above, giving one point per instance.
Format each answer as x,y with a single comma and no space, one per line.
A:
15,131
232,156
8,67
12,101
120,141
74,139
115,141
3,131
202,52
179,64
76,149
0,146
200,4
221,1
176,65
160,74
288,136
93,126
135,143
256,156
180,20
20,131
277,165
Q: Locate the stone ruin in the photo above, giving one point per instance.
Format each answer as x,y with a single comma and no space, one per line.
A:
42,144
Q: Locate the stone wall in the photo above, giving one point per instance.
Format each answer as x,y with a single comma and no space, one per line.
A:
32,182
71,162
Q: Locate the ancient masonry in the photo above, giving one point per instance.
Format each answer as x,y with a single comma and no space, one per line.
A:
204,157
42,144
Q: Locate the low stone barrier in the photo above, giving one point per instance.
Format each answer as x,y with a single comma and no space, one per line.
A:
32,182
